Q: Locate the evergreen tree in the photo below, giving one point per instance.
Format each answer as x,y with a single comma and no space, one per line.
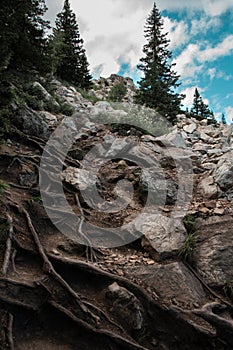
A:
22,29
7,36
223,119
156,88
200,110
197,102
70,61
117,92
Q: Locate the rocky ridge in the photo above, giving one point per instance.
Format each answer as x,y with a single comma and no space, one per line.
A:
181,251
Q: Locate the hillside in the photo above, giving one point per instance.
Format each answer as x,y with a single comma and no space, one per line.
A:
116,227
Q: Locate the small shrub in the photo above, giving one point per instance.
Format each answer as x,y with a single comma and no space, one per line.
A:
117,92
187,248
3,186
5,120
189,223
85,94
33,102
52,106
228,290
96,87
37,92
36,199
138,120
66,109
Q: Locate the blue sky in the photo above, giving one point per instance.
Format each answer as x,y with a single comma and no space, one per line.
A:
201,34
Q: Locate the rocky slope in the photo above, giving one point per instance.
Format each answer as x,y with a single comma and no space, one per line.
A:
137,252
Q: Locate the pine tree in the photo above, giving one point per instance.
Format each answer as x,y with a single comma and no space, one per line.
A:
71,62
197,104
200,110
223,119
156,88
7,36
23,46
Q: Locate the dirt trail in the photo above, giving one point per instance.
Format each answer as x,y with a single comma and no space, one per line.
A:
53,290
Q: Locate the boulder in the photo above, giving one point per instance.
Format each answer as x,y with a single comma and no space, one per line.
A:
190,128
223,174
209,187
46,96
50,118
125,306
213,253
162,236
173,282
31,123
173,139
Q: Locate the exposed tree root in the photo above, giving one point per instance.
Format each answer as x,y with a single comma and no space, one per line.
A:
124,343
48,267
7,257
38,277
10,332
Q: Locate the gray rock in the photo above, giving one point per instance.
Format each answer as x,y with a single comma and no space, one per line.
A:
125,306
44,92
214,152
155,185
163,236
80,178
213,253
50,118
204,137
172,282
223,174
101,106
190,128
32,123
209,187
200,147
173,139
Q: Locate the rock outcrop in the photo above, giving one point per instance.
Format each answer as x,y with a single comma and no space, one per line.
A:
155,213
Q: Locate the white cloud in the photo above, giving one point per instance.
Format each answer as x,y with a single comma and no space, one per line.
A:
189,93
177,32
114,29
229,114
212,73
188,100
193,59
204,24
222,49
186,62
211,7
217,7
110,29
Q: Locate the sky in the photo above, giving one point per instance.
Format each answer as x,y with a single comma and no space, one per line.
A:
200,34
